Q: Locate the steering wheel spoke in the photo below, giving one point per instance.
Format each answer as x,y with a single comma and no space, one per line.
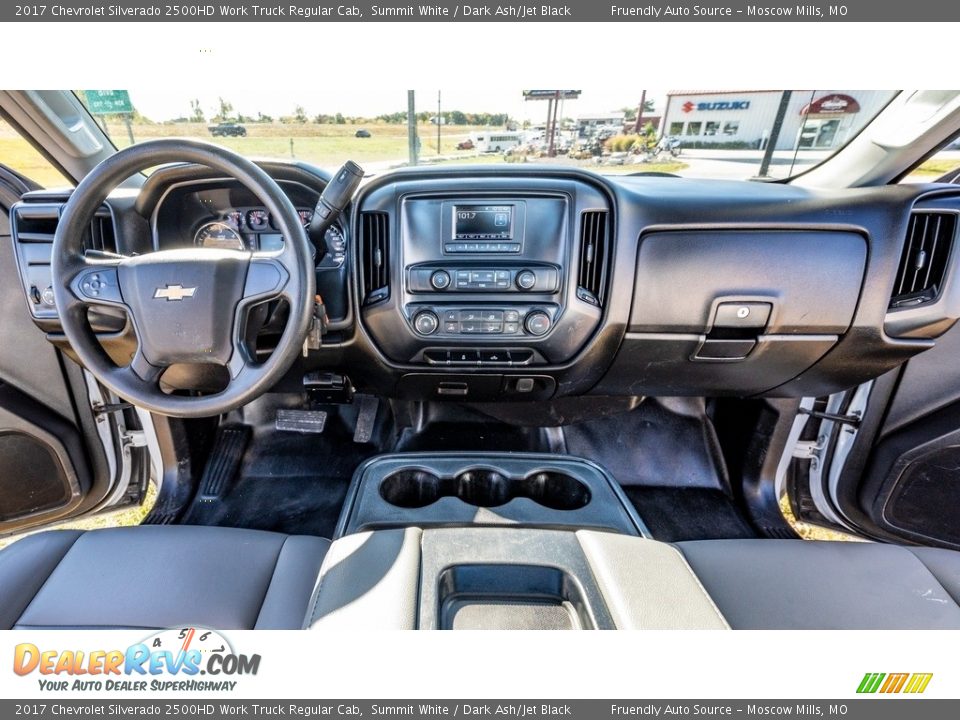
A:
98,283
139,373
267,278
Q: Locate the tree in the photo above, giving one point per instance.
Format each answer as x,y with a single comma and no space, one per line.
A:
225,109
264,118
196,112
300,115
339,119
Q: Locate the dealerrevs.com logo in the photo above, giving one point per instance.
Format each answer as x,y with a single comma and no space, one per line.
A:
183,659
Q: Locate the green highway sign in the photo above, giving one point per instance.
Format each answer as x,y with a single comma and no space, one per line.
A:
108,102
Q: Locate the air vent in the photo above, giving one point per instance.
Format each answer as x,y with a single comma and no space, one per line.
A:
375,256
593,257
36,223
102,232
924,260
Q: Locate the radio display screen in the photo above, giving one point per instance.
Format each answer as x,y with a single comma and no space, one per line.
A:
483,222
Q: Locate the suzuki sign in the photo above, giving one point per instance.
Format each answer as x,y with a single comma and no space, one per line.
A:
709,106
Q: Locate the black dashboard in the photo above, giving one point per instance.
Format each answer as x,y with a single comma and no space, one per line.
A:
491,283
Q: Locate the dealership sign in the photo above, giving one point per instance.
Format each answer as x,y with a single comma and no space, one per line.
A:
835,104
708,106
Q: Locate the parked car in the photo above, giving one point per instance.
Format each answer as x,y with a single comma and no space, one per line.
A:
466,144
362,133
228,129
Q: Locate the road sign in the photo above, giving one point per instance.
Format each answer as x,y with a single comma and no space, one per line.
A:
551,94
108,102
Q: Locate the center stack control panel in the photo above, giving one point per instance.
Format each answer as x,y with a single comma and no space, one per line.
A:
481,277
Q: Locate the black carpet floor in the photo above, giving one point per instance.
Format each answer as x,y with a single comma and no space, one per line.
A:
287,482
673,514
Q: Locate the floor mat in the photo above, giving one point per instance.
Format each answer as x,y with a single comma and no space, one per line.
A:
655,444
287,482
673,514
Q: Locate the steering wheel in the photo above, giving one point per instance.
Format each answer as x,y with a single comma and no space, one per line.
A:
186,305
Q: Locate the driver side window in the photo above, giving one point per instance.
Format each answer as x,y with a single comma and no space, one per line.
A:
20,156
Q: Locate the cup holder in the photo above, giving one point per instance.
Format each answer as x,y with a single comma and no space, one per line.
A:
411,488
482,487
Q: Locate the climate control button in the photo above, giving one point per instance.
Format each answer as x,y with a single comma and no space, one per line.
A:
537,323
426,322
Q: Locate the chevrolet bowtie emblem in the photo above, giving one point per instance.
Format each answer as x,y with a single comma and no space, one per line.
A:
174,292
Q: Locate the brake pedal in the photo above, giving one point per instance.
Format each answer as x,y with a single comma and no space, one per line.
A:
301,421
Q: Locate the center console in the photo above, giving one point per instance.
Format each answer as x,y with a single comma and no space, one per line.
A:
513,541
482,285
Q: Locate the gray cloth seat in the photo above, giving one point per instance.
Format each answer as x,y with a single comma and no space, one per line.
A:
797,584
155,577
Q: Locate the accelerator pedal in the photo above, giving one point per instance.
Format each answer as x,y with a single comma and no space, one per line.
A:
225,459
366,418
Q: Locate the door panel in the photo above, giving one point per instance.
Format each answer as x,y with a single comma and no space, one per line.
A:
46,472
908,486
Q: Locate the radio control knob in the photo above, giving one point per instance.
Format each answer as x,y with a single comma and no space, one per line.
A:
440,280
537,323
426,322
526,279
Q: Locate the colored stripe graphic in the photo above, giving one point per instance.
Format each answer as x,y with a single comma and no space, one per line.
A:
895,682
918,682
870,682
913,683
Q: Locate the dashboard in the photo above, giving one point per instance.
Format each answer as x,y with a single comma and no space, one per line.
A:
481,284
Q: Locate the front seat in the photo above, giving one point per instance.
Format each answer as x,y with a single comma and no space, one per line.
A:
798,584
156,577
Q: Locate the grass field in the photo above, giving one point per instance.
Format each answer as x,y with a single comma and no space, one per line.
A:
324,145
935,168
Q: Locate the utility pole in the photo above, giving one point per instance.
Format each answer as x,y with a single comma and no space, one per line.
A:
438,122
126,121
639,124
552,150
412,127
774,133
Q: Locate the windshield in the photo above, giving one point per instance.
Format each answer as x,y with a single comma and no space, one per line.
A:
730,134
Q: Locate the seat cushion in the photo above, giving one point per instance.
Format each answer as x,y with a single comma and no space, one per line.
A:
154,576
797,584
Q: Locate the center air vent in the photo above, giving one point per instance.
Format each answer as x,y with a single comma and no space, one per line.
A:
375,256
923,264
594,247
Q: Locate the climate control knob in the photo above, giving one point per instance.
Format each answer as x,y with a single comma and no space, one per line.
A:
537,323
440,280
526,279
426,322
